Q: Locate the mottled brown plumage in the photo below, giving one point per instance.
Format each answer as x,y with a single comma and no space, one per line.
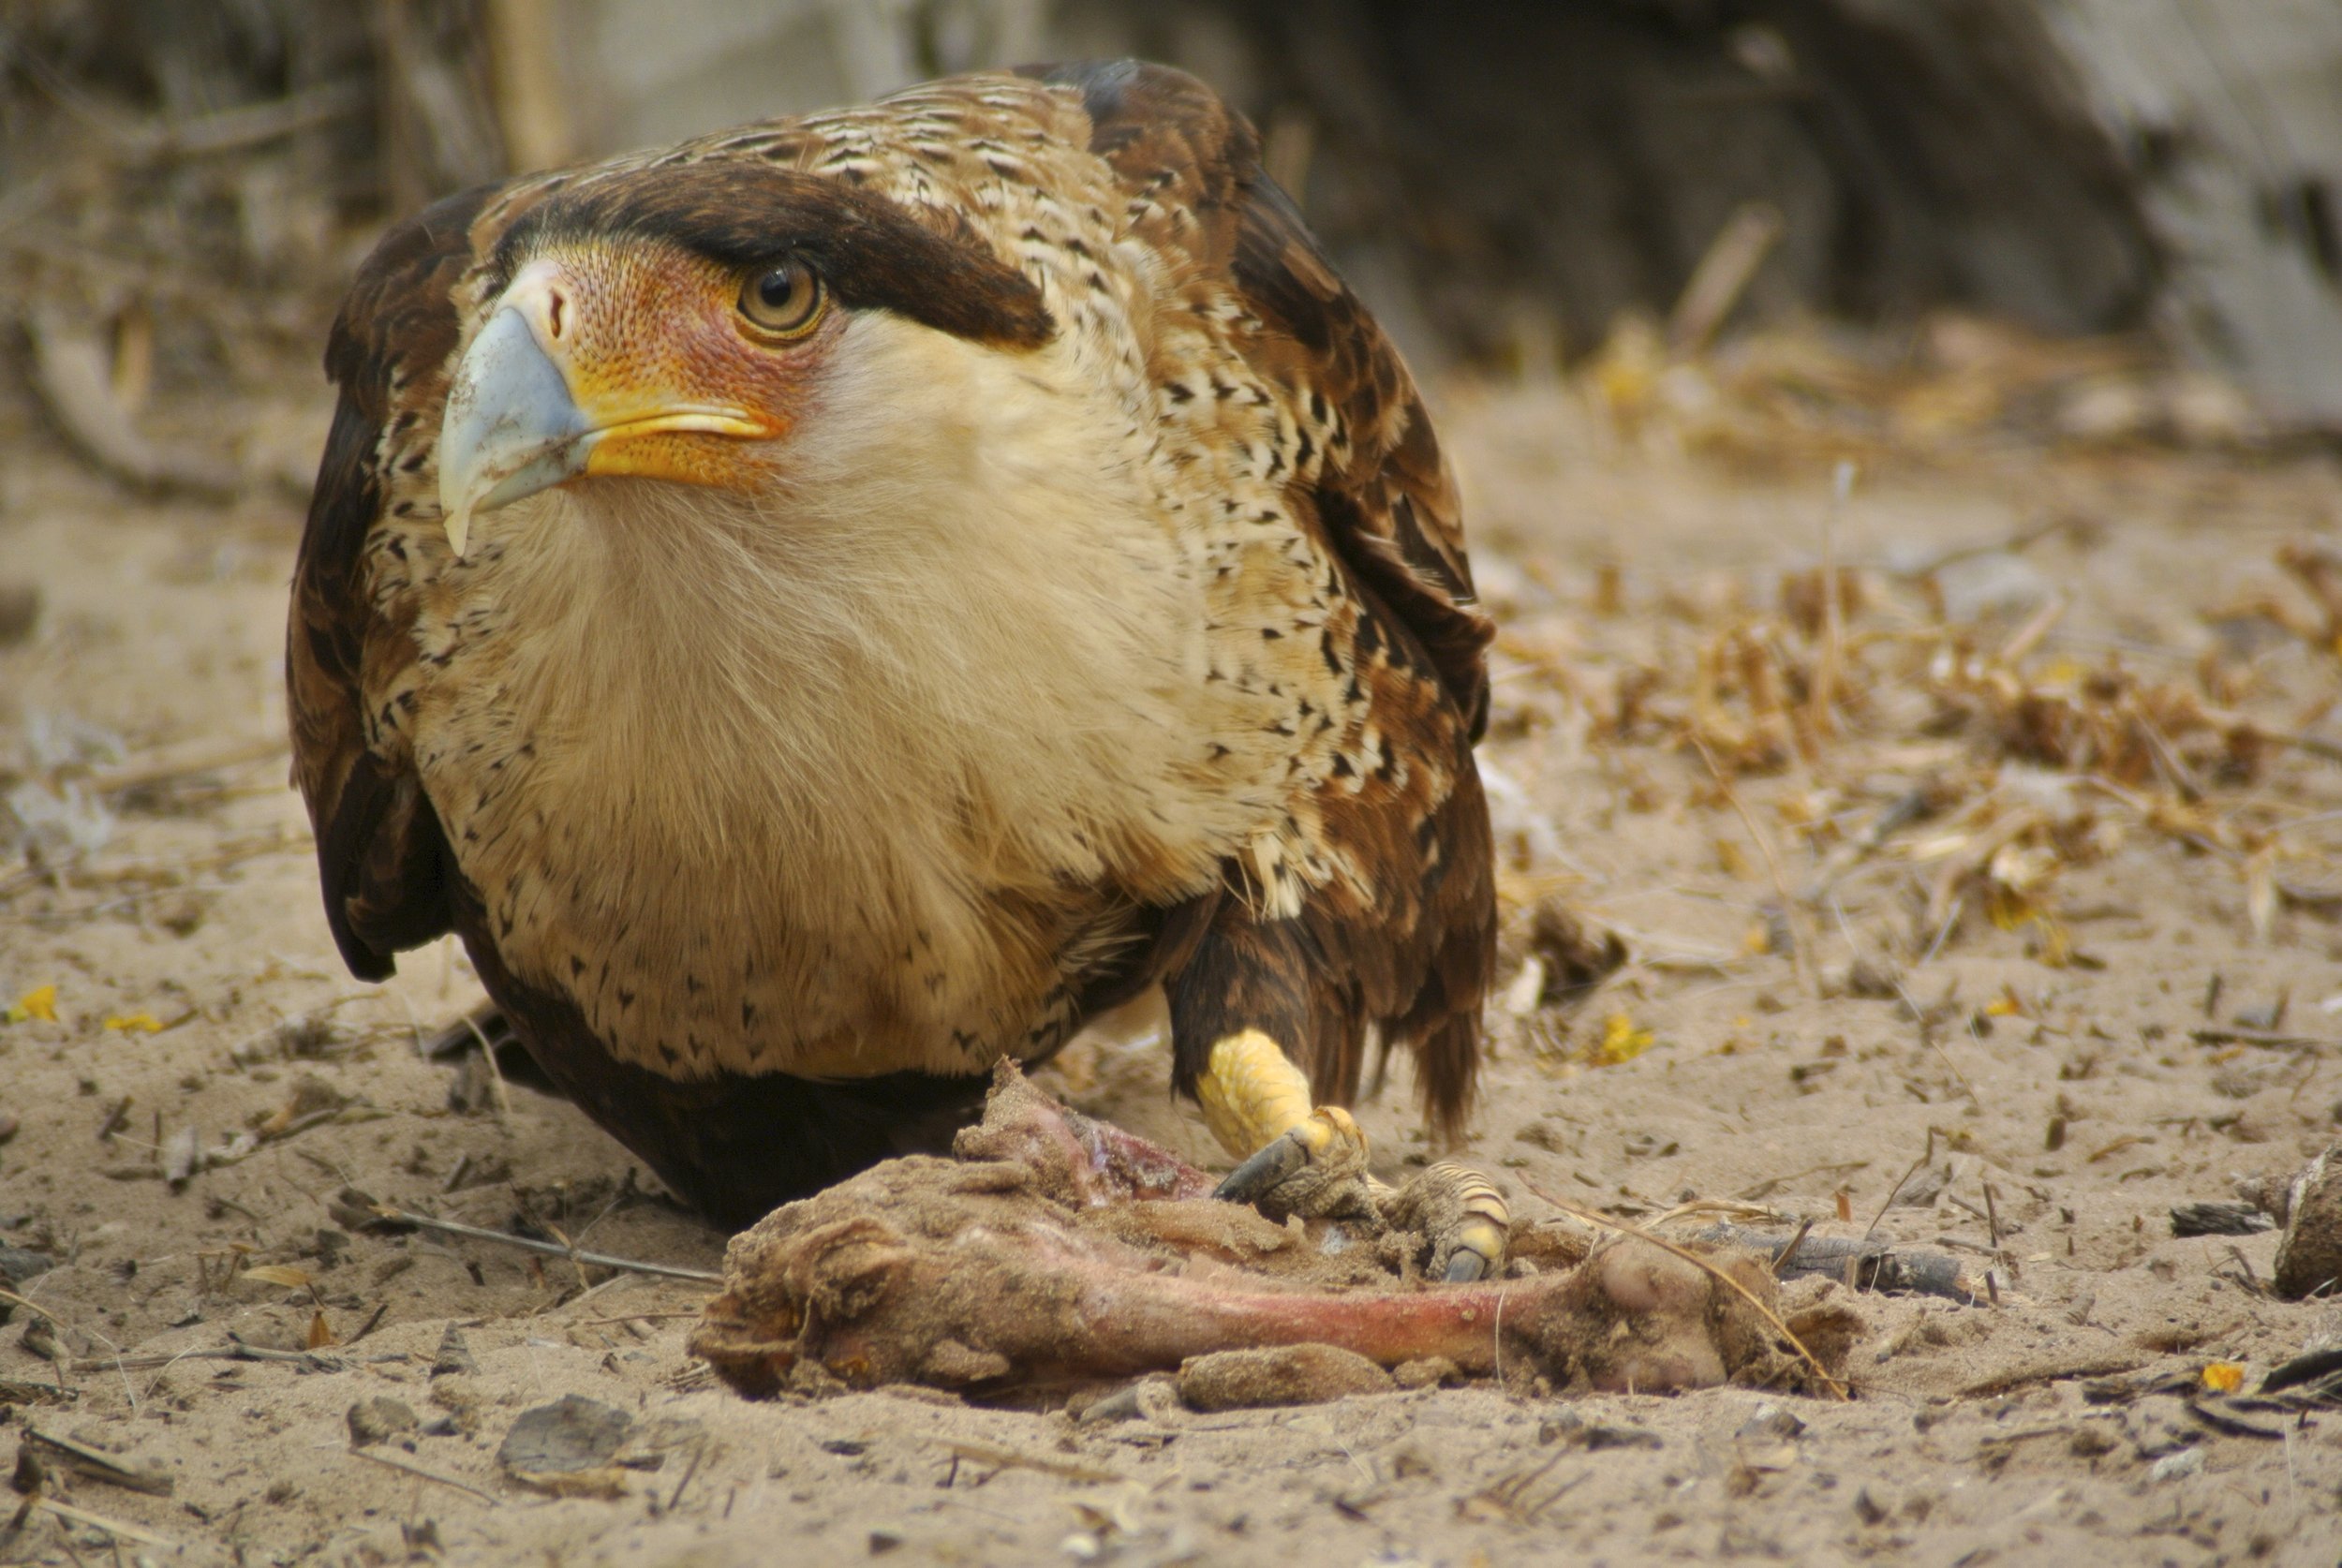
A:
1089,611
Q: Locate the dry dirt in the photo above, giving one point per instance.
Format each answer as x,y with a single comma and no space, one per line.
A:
2048,1058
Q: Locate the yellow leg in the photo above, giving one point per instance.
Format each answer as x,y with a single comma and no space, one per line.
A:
1296,1158
1251,1093
1301,1158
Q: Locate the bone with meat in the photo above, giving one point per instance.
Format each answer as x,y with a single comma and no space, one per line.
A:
1055,1252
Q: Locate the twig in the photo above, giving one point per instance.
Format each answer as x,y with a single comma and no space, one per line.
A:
111,1527
416,1470
628,1317
1731,1208
495,1068
1509,1494
585,1286
1722,276
2329,750
1780,1259
1822,709
1863,1265
1008,1458
15,1300
1927,1038
1801,937
18,1391
1895,1191
1770,1185
228,129
316,1361
531,109
2103,1364
118,780
1496,1342
1653,952
167,877
2270,1038
1943,932
586,1293
547,1249
2028,636
70,372
2166,758
2023,538
1836,1388
96,1464
224,130
699,1452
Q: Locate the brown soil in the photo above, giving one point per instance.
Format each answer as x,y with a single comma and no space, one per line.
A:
2023,995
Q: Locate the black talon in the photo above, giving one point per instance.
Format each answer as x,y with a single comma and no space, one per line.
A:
1465,1267
1264,1170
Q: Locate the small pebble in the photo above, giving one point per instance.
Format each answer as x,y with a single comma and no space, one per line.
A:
1428,1371
2309,1252
2090,1441
2171,1467
1771,1421
571,1435
19,612
454,1356
1282,1375
379,1420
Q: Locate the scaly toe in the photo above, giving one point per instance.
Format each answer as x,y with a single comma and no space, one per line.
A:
1318,1167
1463,1216
1475,1250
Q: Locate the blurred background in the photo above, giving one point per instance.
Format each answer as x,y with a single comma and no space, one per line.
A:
1868,190
1899,448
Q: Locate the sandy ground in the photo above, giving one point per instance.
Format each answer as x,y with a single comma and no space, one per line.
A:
2047,1056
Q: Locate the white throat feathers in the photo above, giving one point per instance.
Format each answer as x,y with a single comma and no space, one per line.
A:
886,721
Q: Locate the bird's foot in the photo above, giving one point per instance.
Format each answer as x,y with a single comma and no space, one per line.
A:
1310,1160
1297,1157
1459,1212
1315,1168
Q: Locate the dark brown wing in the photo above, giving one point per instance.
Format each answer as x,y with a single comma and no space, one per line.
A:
1412,955
1380,488
382,856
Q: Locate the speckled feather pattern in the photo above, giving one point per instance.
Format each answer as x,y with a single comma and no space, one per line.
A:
1294,626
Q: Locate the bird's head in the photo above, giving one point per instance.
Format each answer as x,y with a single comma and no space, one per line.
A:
677,323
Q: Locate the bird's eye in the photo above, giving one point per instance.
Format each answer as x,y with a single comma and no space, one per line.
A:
785,300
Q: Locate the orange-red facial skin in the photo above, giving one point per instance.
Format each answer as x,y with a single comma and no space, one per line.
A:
644,332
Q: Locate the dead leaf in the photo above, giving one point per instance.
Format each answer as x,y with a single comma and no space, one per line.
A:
183,1154
2006,1005
1621,1040
287,1275
2261,891
39,1002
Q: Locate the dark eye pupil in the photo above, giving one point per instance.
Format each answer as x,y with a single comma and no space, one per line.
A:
778,287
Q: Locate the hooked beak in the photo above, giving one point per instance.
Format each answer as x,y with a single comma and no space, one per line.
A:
515,422
512,427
